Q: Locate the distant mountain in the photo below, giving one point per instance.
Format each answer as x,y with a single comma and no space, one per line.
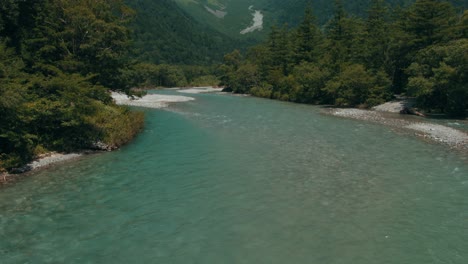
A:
201,31
232,16
164,33
227,16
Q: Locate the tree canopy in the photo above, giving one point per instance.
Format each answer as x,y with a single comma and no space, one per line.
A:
419,51
58,59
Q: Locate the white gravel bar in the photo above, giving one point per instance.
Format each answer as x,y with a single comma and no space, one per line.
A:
443,134
43,161
198,90
391,107
395,106
51,159
434,132
150,100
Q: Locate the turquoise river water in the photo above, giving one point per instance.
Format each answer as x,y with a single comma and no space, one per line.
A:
229,179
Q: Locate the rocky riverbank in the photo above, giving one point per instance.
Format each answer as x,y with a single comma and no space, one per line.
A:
198,90
422,128
150,100
53,158
43,161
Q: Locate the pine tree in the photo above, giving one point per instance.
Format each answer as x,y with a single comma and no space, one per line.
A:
428,22
336,27
338,37
280,50
377,38
307,38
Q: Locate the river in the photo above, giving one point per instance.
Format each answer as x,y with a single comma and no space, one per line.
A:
232,179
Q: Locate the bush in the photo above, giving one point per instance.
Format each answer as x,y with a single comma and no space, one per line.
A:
354,86
116,125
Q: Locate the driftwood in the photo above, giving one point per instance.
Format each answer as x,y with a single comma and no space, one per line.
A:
411,111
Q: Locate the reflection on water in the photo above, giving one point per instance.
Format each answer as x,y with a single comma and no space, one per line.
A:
226,179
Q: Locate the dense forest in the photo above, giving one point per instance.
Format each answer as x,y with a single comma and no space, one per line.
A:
58,59
164,34
290,11
419,51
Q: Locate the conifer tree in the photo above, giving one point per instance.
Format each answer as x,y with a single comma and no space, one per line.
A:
428,22
338,37
307,38
280,55
377,37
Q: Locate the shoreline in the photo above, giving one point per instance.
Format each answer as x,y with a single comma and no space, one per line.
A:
155,101
42,162
200,90
159,101
422,128
385,115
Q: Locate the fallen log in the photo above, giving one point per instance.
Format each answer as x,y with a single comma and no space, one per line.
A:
411,111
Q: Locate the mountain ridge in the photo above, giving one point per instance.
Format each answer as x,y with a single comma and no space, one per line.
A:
276,12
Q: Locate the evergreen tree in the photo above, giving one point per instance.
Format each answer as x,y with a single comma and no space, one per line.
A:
377,37
307,38
428,22
460,29
336,26
438,77
424,23
338,38
15,142
280,50
89,37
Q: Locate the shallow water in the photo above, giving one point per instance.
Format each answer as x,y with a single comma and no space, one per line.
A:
227,179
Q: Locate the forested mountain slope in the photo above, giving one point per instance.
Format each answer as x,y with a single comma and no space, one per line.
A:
227,16
231,16
164,33
288,11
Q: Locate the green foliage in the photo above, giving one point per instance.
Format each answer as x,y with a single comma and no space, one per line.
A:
86,37
263,90
354,86
277,12
428,22
58,59
16,143
311,79
147,75
375,54
308,37
115,126
165,34
425,23
420,50
245,77
439,79
205,80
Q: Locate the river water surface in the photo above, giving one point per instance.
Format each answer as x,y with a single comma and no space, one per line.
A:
228,179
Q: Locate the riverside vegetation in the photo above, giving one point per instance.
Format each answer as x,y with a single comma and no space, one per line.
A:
420,51
58,59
